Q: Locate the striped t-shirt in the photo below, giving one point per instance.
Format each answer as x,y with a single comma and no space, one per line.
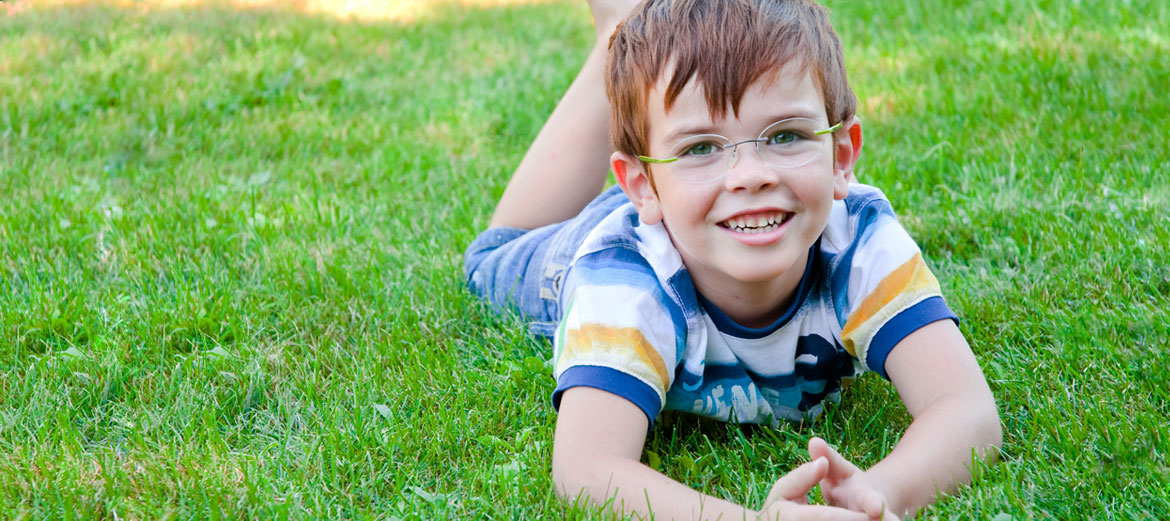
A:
633,324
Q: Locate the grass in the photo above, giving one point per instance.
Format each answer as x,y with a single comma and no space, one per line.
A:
231,239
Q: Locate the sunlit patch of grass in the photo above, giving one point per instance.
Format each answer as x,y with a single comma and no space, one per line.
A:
358,10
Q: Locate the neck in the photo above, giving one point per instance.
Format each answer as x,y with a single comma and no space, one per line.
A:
752,304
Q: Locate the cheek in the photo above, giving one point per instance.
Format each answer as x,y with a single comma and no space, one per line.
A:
820,178
684,204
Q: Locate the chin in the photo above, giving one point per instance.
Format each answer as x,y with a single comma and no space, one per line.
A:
756,273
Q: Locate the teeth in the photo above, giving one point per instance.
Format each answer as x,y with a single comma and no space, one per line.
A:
753,224
764,229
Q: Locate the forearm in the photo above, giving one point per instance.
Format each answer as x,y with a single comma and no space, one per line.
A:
632,487
935,453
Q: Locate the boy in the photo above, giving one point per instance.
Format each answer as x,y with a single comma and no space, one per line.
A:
735,272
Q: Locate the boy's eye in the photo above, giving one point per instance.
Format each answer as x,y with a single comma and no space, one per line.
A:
700,149
784,137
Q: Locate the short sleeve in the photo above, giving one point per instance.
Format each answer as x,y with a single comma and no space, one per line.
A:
890,291
619,332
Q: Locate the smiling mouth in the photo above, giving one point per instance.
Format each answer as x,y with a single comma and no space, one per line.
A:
757,223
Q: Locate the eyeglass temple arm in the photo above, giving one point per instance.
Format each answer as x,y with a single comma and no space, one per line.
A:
829,130
658,161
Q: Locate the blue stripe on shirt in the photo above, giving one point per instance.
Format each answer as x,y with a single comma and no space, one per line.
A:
616,266
612,381
867,208
625,267
908,321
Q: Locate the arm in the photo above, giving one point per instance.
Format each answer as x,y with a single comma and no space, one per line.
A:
596,451
943,388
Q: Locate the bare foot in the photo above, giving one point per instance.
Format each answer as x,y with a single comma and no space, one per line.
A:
607,14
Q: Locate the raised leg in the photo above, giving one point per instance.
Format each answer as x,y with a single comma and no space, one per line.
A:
566,165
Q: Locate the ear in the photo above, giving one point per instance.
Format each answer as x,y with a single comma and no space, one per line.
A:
635,181
847,149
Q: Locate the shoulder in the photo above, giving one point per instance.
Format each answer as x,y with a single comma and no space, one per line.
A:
864,236
629,275
854,219
623,250
624,324
882,289
622,229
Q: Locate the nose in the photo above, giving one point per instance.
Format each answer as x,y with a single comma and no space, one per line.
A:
746,170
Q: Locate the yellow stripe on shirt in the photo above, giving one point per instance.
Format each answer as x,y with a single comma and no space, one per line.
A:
600,344
902,287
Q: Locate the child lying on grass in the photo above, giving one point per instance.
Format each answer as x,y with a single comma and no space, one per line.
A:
734,272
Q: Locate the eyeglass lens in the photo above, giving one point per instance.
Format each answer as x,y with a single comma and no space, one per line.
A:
785,144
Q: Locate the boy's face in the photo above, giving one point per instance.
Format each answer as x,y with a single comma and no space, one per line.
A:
710,222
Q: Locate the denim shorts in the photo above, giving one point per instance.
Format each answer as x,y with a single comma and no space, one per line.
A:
523,270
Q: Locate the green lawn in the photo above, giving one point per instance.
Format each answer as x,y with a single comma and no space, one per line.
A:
231,258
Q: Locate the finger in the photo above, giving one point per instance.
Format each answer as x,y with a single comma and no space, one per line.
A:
887,515
874,506
795,485
839,467
826,513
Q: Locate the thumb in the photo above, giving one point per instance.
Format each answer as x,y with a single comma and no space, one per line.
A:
795,485
839,467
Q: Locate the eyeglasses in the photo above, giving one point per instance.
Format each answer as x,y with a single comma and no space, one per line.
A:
787,143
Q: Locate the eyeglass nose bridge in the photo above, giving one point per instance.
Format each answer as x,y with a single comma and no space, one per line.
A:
733,158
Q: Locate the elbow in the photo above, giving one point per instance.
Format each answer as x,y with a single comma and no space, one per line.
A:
989,431
581,480
572,477
996,430
564,479
996,436
978,424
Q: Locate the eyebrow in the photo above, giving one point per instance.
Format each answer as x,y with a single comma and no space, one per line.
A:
679,134
694,130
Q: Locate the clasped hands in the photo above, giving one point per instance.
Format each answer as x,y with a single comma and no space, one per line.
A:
847,489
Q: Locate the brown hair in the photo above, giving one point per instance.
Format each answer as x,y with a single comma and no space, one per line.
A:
727,45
